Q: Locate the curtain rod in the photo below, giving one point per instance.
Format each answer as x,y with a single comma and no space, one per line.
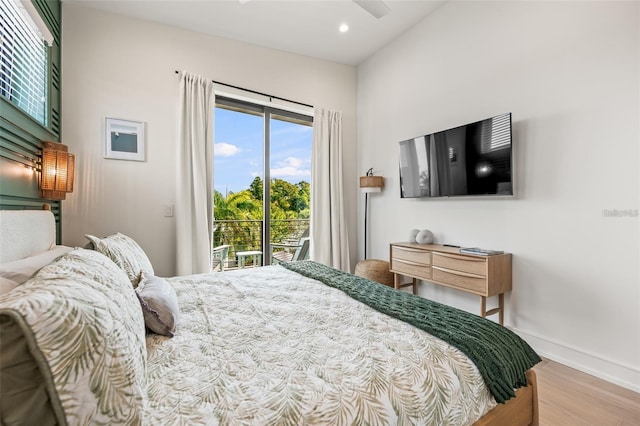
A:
258,93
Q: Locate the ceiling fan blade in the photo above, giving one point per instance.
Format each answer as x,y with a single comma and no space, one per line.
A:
377,8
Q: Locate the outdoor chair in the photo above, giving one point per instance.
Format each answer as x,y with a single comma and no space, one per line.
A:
220,258
290,252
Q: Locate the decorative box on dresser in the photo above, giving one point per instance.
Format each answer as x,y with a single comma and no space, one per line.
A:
485,276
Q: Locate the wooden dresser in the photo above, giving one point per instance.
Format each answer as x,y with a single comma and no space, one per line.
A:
485,276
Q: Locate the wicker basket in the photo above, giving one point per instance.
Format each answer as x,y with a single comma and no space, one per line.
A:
375,270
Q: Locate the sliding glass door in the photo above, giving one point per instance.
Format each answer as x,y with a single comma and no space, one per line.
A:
262,176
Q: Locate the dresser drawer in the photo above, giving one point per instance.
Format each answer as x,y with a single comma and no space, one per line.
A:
411,255
412,269
471,265
443,265
460,280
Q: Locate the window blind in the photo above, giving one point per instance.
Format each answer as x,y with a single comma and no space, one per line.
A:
497,134
23,62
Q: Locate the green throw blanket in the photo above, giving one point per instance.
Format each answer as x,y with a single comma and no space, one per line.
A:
500,355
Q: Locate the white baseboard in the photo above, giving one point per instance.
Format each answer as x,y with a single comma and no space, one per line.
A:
622,375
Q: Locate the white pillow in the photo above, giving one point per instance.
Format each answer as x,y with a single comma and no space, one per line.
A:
159,304
6,285
23,269
84,327
125,253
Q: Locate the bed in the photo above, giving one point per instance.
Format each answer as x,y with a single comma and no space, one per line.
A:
297,343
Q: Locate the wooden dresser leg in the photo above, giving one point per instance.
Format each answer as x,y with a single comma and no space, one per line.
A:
501,307
483,306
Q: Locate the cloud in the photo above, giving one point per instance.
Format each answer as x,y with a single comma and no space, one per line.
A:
290,167
223,149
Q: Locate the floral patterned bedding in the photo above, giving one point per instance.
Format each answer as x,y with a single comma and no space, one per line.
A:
83,356
263,346
269,346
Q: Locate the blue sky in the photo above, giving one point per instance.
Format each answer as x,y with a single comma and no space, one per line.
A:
238,152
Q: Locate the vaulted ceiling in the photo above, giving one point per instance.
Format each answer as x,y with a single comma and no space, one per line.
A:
307,27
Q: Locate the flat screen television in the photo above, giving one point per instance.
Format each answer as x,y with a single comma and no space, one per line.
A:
474,159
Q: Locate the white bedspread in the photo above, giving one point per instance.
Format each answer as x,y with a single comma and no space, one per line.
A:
269,346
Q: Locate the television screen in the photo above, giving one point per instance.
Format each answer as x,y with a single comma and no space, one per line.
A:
474,159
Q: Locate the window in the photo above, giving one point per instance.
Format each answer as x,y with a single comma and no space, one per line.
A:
23,60
495,133
261,153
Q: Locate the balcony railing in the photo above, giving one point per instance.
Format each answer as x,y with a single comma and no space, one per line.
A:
246,235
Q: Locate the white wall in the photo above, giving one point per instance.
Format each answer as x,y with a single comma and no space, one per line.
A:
124,68
569,72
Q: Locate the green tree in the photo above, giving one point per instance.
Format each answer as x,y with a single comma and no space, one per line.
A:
243,232
236,206
288,201
256,188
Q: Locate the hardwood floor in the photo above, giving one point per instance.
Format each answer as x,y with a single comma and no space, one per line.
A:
570,397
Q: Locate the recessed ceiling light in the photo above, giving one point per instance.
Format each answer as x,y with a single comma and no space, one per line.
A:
343,28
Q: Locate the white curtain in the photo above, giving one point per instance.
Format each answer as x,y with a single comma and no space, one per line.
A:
194,201
329,237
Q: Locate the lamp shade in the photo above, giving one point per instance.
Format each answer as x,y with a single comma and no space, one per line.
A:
71,169
57,172
371,183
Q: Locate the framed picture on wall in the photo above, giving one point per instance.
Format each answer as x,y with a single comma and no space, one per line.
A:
124,139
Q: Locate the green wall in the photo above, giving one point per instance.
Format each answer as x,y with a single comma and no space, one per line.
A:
21,135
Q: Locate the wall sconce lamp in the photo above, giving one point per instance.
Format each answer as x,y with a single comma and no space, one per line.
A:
369,183
57,172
